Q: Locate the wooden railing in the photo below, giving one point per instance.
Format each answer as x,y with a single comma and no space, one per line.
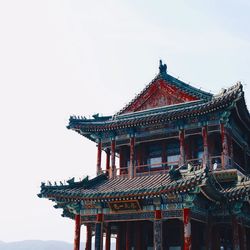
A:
215,164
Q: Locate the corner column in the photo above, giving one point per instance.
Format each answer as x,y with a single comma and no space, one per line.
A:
89,238
99,232
205,147
132,157
235,229
187,229
182,146
113,167
77,232
99,157
225,149
158,230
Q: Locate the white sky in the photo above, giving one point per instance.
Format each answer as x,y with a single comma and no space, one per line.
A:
59,58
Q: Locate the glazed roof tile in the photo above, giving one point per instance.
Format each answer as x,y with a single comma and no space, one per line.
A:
123,186
158,115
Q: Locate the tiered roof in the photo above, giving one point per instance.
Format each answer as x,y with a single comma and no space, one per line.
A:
174,182
145,109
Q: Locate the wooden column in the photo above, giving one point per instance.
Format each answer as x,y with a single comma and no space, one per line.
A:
113,167
118,238
187,229
89,238
235,230
77,232
225,150
132,157
99,232
216,238
158,230
128,238
108,235
99,158
243,237
121,160
208,235
138,245
108,162
182,146
205,147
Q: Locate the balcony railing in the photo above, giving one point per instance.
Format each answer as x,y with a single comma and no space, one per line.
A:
215,164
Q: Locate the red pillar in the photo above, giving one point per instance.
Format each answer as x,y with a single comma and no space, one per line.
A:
99,158
118,238
108,234
132,157
205,147
113,167
128,238
187,229
89,237
77,232
182,146
121,160
235,229
138,245
225,150
108,162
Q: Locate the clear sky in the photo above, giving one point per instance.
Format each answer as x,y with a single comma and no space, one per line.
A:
59,58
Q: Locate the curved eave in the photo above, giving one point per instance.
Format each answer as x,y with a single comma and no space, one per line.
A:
171,115
185,184
213,191
242,112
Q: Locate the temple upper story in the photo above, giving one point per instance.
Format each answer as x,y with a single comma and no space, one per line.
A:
168,125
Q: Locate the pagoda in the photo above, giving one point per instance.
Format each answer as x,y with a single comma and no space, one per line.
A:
175,176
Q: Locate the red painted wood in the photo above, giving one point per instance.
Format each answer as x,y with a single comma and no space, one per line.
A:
118,238
108,235
99,158
77,232
205,146
99,217
138,236
132,156
128,238
158,214
113,167
225,150
108,160
182,146
159,94
89,237
187,229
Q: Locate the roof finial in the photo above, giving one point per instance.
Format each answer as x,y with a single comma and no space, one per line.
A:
162,68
